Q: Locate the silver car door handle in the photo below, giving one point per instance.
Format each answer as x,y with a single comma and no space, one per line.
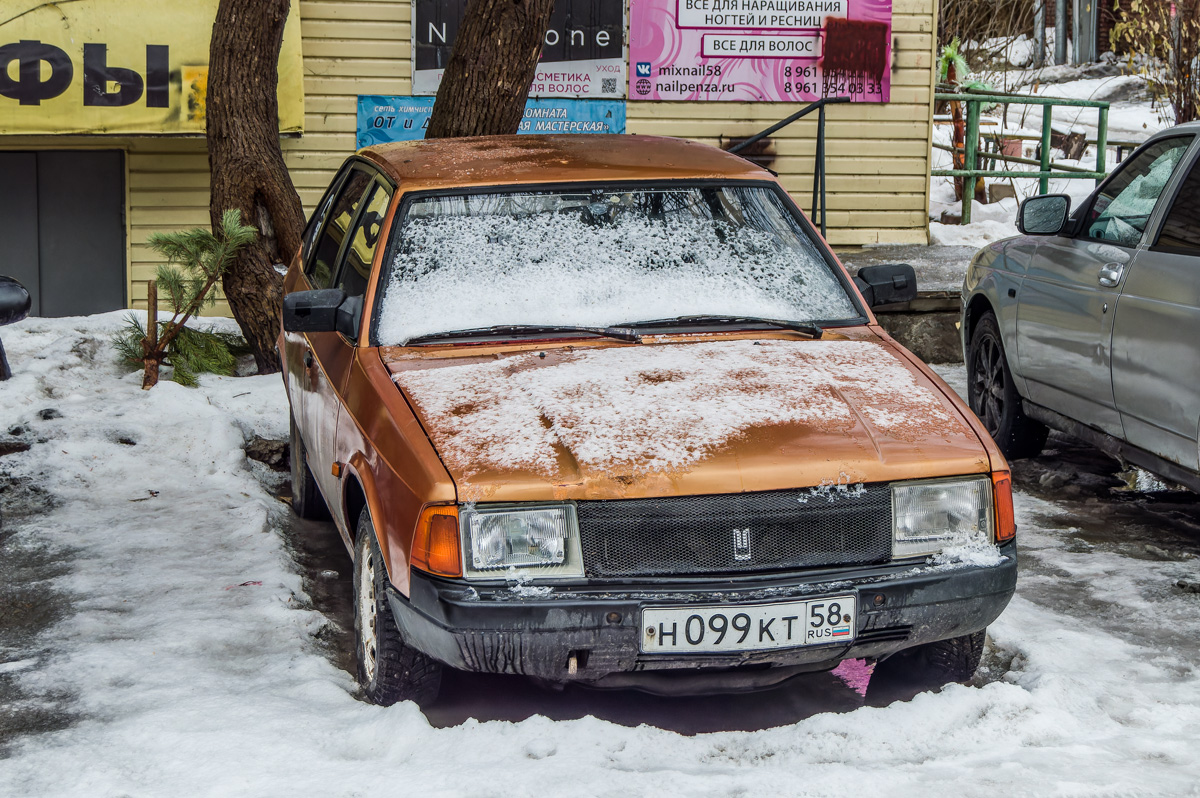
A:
1110,274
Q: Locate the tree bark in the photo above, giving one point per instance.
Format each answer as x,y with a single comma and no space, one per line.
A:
495,56
247,166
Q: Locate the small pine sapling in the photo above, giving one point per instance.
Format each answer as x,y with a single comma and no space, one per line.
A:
202,259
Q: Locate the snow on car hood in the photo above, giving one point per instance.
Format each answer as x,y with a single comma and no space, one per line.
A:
754,415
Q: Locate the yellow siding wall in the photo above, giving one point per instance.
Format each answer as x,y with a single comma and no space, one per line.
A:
877,155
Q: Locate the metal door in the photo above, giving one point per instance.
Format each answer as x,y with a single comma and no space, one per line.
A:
319,373
1156,335
62,221
1069,297
18,221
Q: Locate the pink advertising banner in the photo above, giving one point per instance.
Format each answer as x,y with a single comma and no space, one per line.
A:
760,50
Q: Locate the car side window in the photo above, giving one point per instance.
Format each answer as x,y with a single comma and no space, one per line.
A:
1181,231
1123,207
356,265
313,228
321,267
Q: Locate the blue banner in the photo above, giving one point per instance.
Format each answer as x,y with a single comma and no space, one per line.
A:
383,119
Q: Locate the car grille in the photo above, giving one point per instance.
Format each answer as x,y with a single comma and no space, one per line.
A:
736,533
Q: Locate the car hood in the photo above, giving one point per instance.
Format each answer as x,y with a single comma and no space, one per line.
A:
675,418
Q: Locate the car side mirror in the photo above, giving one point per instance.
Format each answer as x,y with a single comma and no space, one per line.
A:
1044,215
14,301
325,310
887,283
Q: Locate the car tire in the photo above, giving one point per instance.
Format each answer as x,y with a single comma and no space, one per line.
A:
389,670
937,664
306,496
993,396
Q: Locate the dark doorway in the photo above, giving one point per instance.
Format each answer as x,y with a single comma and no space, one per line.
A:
62,229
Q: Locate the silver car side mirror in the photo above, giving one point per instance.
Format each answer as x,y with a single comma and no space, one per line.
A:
1044,215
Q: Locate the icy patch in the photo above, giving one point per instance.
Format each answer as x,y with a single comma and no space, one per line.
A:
971,551
831,491
17,665
520,585
661,408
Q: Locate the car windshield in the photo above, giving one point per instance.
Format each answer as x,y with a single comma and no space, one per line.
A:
602,258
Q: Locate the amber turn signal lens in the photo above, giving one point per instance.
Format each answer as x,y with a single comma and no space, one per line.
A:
1006,525
435,547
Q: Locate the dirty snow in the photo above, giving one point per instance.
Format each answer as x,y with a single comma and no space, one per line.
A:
563,266
661,408
177,686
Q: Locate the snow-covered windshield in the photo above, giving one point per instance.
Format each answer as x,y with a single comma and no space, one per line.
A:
601,258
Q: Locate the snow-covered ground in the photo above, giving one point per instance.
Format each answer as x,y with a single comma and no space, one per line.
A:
180,654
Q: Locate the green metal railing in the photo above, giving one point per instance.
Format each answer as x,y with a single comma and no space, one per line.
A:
972,156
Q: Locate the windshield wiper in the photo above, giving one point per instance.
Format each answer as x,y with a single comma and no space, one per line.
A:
619,333
796,326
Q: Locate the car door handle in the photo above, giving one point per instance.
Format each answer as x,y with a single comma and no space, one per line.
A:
1110,274
308,359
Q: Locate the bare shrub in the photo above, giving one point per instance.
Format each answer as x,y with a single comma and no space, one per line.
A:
1162,41
978,22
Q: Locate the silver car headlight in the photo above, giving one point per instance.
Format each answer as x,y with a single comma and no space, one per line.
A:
926,516
537,541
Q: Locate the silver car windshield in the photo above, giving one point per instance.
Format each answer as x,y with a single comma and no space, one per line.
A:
602,258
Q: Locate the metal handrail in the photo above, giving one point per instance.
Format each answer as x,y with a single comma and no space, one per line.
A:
819,165
975,101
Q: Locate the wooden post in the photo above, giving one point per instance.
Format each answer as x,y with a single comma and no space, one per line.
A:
1039,34
152,357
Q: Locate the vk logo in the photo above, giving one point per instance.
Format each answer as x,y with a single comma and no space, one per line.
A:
643,69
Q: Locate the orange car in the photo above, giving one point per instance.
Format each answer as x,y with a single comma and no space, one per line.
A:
607,410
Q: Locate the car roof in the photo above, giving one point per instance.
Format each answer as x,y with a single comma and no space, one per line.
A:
501,160
1185,127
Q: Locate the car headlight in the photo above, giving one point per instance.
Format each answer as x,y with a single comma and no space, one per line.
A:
928,515
539,541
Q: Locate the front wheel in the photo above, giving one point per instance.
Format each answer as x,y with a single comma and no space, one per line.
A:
993,396
389,670
934,665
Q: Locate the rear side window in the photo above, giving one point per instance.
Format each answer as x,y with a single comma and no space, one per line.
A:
320,212
356,267
321,266
1181,231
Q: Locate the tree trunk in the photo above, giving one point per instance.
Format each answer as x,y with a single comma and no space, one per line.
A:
247,166
494,59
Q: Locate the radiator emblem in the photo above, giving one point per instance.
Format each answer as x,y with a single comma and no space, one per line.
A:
741,544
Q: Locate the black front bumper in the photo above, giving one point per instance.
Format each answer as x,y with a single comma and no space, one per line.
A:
538,633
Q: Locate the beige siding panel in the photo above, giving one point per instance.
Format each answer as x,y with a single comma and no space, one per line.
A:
766,114
310,12
355,68
804,129
354,86
362,48
381,31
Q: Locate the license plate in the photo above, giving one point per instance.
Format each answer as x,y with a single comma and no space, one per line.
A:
751,627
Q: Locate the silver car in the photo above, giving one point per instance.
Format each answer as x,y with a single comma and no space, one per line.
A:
1089,322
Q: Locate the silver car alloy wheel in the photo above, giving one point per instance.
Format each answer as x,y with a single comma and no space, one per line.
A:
988,383
368,614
